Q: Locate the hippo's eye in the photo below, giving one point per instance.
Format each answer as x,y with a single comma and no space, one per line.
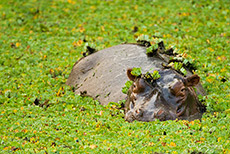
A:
182,89
134,85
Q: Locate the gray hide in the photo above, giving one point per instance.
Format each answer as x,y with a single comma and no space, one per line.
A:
103,74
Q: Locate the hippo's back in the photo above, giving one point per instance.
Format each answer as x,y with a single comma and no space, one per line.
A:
103,74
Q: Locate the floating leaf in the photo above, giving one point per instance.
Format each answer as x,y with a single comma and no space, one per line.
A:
18,44
143,37
136,71
155,75
172,144
149,49
177,65
93,146
125,89
183,70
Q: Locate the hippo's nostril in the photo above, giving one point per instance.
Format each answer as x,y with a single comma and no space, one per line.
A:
139,112
129,116
180,110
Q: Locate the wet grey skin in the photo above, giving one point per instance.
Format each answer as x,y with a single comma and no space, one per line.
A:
102,75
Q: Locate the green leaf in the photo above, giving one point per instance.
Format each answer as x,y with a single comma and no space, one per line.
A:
150,49
136,71
155,75
125,89
185,61
178,66
178,58
182,70
143,37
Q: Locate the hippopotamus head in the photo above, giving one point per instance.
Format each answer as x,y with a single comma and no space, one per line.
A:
170,97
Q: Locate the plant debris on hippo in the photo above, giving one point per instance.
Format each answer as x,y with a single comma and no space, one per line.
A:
102,75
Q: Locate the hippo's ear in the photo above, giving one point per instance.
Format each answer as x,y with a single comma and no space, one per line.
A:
192,80
130,76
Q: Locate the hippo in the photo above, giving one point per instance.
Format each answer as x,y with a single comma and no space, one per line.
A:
102,75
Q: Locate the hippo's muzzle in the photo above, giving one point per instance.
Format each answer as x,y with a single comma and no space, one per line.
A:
133,114
167,98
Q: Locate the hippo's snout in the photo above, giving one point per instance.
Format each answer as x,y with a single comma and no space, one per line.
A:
133,114
129,116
